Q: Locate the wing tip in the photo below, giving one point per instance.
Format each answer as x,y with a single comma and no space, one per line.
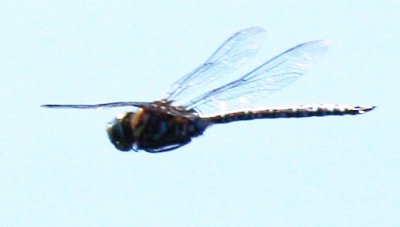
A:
326,42
48,106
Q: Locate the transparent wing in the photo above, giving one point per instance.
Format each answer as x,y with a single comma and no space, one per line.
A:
271,76
96,106
233,53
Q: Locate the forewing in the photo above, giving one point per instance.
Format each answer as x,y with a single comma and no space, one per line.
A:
271,76
232,54
96,106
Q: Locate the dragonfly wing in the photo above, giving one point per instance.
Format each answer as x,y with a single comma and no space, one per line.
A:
97,106
271,76
233,53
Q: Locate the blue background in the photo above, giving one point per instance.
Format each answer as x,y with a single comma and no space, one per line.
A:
57,167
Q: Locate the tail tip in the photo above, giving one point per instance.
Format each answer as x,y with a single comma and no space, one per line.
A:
364,109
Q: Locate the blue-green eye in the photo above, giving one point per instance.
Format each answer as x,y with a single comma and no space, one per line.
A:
120,135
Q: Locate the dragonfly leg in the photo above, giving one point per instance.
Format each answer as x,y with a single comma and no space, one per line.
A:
169,148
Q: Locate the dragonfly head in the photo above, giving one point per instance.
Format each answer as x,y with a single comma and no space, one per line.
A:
120,133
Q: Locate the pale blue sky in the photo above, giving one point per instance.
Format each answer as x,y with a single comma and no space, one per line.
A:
57,167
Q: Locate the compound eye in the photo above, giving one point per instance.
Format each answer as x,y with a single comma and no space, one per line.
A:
120,135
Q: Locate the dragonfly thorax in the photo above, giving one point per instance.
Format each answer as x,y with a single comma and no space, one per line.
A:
157,127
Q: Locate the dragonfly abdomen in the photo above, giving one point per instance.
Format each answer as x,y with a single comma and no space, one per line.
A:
290,112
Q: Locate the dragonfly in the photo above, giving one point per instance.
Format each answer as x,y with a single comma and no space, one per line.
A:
202,98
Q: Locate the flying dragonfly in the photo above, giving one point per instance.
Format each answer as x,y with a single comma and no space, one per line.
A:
199,100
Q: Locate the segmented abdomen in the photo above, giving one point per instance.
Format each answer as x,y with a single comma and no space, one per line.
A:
289,112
